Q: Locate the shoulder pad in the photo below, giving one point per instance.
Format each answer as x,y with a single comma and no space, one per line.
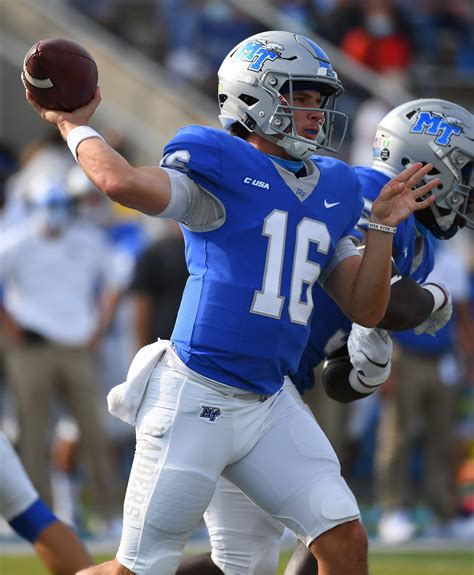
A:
196,152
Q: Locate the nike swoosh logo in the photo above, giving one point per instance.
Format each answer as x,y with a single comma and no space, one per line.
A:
328,205
374,362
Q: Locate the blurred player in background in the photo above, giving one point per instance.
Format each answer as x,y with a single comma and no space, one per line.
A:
243,538
263,219
114,351
60,294
56,544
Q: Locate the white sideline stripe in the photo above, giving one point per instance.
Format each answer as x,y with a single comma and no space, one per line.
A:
46,83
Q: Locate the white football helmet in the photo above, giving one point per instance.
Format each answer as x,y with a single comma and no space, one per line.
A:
440,132
256,84
49,201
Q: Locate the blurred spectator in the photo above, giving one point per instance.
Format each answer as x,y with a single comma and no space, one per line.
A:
340,17
190,37
223,27
299,11
125,239
381,39
46,156
182,22
420,401
13,181
158,285
213,29
60,296
443,32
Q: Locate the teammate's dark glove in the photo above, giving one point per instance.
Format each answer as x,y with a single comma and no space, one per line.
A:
335,377
354,376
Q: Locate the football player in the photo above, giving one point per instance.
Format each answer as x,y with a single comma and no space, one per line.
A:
424,130
56,544
263,220
243,538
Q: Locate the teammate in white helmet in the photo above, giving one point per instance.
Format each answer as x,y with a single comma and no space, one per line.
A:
264,219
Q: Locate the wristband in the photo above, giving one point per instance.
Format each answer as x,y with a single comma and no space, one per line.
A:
439,295
77,135
382,228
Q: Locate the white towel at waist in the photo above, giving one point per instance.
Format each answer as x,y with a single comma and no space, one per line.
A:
124,400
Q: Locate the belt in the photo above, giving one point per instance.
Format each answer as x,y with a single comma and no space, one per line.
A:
250,396
227,390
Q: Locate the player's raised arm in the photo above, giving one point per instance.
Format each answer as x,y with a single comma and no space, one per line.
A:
144,189
362,289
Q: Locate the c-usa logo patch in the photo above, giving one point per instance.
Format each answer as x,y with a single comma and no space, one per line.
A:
210,413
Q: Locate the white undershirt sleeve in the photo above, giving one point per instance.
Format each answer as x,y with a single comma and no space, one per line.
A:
191,204
345,248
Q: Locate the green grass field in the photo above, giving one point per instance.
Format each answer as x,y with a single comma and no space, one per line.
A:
381,563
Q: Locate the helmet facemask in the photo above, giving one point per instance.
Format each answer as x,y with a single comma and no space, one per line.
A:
461,199
453,209
332,128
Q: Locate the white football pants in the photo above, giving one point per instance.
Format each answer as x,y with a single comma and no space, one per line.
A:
190,430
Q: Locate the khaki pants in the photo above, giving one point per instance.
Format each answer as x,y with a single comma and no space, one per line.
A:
420,405
39,373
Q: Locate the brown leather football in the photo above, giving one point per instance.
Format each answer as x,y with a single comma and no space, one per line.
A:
61,74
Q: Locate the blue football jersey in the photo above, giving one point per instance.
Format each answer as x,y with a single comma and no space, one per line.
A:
330,328
245,315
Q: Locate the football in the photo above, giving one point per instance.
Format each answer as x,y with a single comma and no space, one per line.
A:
61,74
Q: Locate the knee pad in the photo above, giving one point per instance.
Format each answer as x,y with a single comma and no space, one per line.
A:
177,505
158,524
332,501
327,504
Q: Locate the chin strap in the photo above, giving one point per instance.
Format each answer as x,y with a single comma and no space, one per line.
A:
297,149
294,148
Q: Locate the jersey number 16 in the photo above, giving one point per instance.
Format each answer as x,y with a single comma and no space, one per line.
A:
268,300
